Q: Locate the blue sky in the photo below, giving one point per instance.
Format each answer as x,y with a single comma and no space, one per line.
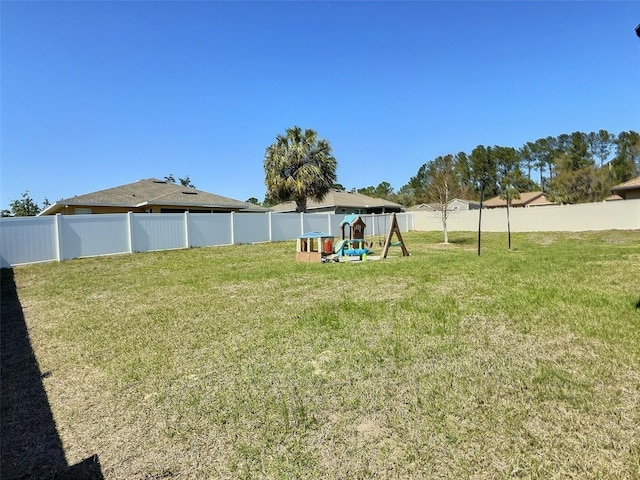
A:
99,94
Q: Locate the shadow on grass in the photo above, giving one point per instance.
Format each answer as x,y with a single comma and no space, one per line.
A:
29,441
463,239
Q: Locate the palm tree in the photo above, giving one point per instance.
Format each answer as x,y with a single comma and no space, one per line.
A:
298,166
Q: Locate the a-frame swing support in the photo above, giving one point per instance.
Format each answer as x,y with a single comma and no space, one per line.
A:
387,243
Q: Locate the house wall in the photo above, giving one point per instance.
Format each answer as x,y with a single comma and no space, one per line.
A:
458,205
342,210
80,210
632,194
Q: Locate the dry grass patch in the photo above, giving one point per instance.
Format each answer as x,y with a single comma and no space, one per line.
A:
238,362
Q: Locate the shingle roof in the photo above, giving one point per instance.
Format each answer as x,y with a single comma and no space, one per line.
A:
613,198
632,184
526,198
152,191
425,207
341,198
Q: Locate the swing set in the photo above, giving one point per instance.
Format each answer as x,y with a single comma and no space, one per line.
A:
386,242
354,241
394,228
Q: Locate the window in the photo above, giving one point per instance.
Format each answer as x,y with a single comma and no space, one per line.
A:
82,211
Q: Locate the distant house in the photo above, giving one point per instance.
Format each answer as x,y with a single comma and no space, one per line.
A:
458,205
425,207
628,190
453,205
527,199
343,202
149,196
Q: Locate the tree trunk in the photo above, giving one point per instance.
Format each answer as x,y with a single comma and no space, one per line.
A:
301,205
446,234
444,223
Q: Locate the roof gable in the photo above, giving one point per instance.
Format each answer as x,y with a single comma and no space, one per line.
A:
152,191
526,198
632,184
341,198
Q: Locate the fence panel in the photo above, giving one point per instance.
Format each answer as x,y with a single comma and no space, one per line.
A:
315,222
158,232
285,226
209,229
250,228
27,240
35,239
93,235
620,215
405,221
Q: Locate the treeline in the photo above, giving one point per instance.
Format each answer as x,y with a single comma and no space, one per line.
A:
569,168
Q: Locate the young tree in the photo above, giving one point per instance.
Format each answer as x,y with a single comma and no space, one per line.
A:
512,180
298,166
443,186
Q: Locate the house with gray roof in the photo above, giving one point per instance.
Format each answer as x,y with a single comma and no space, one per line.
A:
453,205
343,202
149,196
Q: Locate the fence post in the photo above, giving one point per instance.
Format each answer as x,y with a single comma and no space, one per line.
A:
187,241
270,226
58,232
301,223
329,223
130,231
231,224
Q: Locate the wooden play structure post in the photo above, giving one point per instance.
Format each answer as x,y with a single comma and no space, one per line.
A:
394,228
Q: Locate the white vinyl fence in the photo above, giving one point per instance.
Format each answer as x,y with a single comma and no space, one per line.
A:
62,237
617,215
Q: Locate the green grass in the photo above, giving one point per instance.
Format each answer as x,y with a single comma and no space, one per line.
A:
239,362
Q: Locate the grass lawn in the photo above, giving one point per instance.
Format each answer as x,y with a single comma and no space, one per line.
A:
239,362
